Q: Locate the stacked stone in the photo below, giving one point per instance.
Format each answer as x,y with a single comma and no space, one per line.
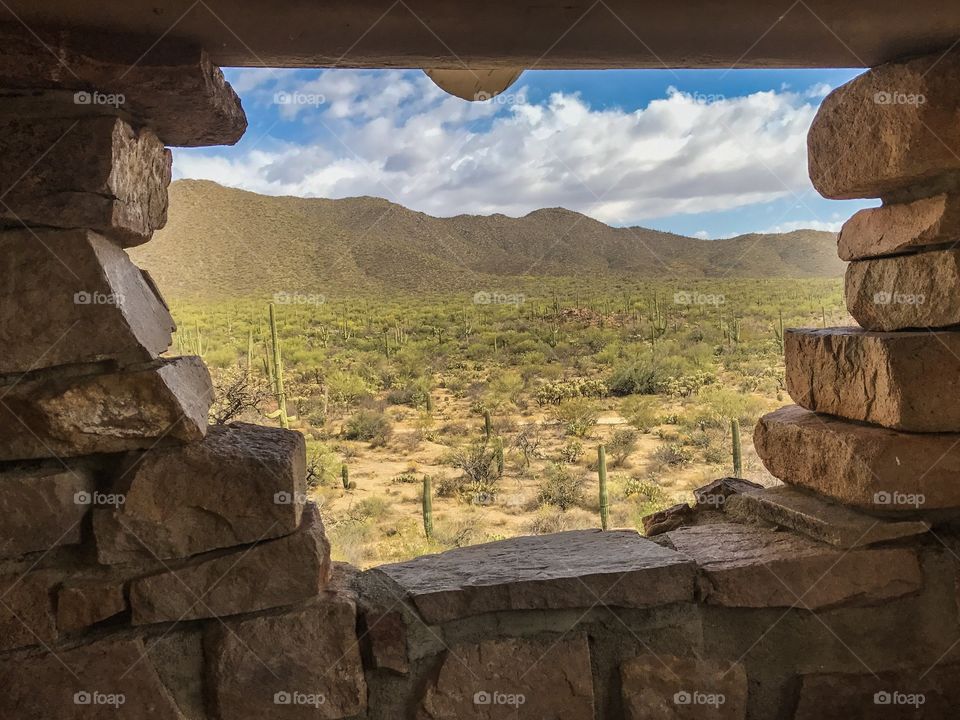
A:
876,425
149,566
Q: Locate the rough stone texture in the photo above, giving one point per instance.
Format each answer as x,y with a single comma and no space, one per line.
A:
383,638
667,519
906,291
77,685
872,137
665,687
266,575
42,507
905,381
576,569
95,172
27,616
747,566
72,296
87,601
822,519
302,663
166,84
900,228
553,678
241,484
862,466
930,692
85,410
177,656
715,494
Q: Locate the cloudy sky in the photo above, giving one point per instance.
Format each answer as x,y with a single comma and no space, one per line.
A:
706,153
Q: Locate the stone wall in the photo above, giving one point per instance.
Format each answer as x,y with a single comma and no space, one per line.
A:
152,566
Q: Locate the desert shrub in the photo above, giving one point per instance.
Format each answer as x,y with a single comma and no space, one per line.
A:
235,392
715,455
478,463
323,466
672,454
346,388
640,377
621,445
407,478
642,489
572,451
562,488
368,425
553,393
642,411
527,443
577,415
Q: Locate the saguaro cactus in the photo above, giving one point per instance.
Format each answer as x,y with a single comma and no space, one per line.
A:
604,498
427,507
778,332
498,450
345,480
487,425
278,371
737,451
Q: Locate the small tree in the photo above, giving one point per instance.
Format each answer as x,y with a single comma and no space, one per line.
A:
236,391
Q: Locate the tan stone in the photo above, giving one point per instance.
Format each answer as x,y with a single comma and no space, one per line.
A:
87,601
241,484
749,566
266,575
106,679
383,637
160,82
72,296
904,380
667,687
821,519
96,173
667,519
863,466
303,663
27,615
511,678
901,227
42,507
85,410
715,494
576,569
907,291
892,128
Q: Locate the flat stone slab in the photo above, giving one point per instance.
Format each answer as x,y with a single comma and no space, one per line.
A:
863,466
105,679
900,228
85,410
73,296
665,686
576,569
513,678
269,574
241,484
94,172
750,566
42,508
904,380
165,84
921,290
821,519
301,664
892,128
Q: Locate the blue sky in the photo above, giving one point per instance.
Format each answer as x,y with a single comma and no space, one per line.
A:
706,153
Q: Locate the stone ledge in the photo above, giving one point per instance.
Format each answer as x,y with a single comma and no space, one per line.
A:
575,569
900,228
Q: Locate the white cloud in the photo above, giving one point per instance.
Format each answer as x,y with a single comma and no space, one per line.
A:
394,134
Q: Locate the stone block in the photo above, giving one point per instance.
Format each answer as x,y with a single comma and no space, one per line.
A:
907,291
891,129
513,677
73,296
241,484
714,495
27,614
900,228
748,566
668,687
266,575
863,466
904,381
86,601
86,410
301,664
576,569
43,507
96,172
383,638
